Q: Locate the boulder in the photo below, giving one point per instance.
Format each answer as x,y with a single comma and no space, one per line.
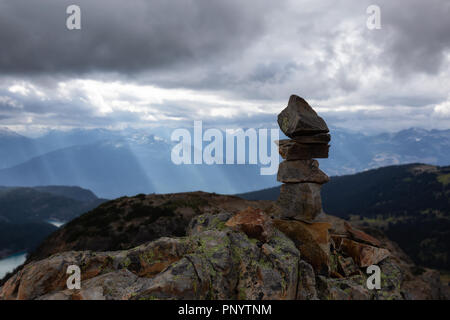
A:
364,255
343,289
49,275
253,222
229,265
301,171
116,285
300,201
321,138
347,266
311,239
361,236
213,262
42,277
425,286
306,282
293,150
298,118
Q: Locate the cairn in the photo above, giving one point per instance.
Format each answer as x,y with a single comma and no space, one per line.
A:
300,174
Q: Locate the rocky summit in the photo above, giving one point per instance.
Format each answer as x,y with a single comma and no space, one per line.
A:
230,249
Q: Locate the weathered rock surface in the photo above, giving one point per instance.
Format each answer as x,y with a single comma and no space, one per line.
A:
320,138
215,261
306,282
312,240
128,222
300,201
293,150
346,266
253,222
426,286
361,236
364,255
298,118
343,289
301,171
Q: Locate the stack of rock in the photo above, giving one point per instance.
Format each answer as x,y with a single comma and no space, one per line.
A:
302,179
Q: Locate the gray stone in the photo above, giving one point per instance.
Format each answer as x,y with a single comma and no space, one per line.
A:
343,289
300,201
306,282
300,171
320,138
298,118
293,150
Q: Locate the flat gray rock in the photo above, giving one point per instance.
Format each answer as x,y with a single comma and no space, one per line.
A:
300,201
322,138
301,171
293,150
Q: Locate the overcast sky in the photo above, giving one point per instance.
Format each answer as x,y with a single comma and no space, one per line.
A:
148,63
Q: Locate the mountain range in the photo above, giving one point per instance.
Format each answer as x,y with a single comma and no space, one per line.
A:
128,162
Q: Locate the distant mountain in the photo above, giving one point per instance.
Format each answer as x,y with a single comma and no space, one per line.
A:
123,167
25,213
129,162
100,167
21,204
410,202
355,152
15,148
75,193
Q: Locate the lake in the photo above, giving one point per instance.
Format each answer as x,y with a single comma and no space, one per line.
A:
56,223
10,263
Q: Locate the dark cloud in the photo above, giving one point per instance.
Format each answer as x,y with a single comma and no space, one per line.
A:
417,35
257,52
121,36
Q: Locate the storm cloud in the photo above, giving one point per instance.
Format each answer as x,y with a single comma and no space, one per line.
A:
121,36
147,62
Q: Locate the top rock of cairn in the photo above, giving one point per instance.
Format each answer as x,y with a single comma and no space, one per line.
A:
299,119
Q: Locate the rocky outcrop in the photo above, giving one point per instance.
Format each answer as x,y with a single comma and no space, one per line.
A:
128,222
363,254
213,262
313,241
220,259
253,222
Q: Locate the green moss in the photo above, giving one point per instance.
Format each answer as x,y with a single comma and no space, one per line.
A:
126,262
149,298
334,262
242,295
218,224
444,179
